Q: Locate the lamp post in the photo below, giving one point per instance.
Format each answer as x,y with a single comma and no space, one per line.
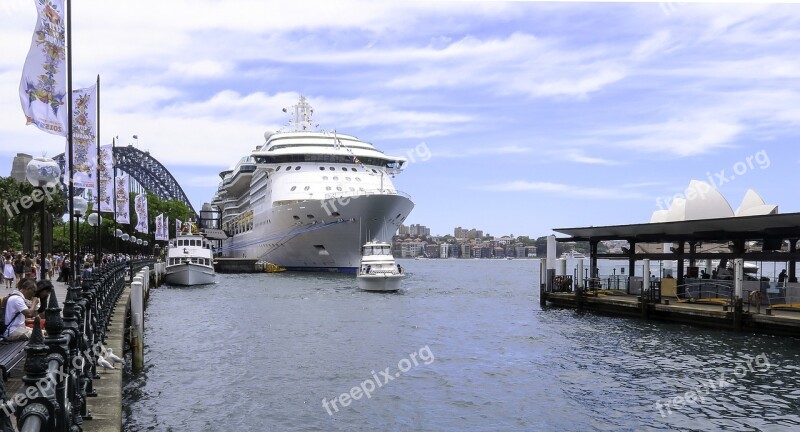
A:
42,173
144,246
117,235
156,251
79,208
125,238
95,220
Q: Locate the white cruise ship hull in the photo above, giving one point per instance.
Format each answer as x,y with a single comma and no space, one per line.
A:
188,274
305,236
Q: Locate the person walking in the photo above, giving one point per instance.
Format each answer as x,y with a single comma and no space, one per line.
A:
8,271
48,267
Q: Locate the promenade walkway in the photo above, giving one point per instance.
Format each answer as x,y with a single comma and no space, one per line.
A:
106,408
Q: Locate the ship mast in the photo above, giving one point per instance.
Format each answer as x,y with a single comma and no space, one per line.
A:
301,113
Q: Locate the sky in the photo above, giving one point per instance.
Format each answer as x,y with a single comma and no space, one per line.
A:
516,117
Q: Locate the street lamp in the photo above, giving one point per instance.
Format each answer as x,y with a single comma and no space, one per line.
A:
125,238
144,246
42,173
157,251
95,220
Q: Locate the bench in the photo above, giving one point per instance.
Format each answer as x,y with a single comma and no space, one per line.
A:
11,353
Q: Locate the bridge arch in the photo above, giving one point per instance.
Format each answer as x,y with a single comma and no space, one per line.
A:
147,171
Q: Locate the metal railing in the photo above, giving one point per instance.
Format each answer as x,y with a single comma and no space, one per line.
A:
60,367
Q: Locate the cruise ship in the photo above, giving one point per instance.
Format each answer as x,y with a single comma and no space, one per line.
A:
308,200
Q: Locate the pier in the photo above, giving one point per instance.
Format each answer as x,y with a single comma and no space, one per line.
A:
729,300
60,384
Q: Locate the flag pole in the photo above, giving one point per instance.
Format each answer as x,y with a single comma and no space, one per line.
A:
97,180
114,194
71,189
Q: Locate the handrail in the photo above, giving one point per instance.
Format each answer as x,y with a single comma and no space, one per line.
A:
60,368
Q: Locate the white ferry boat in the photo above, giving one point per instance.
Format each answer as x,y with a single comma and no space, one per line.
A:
307,200
378,270
573,254
189,261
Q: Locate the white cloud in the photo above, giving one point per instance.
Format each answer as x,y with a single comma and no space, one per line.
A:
564,190
481,151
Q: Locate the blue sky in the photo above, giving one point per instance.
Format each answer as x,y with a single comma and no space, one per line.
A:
536,115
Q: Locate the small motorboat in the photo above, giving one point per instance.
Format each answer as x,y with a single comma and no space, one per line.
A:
378,270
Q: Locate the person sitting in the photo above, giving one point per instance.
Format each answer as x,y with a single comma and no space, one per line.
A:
782,277
43,290
17,310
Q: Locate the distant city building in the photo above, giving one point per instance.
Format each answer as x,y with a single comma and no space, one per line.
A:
411,249
19,165
445,250
505,240
466,250
460,233
403,230
432,250
419,230
530,251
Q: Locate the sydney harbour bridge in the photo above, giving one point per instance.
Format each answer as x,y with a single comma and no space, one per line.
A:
149,173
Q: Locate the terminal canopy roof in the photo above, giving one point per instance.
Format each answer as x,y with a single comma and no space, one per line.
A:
776,226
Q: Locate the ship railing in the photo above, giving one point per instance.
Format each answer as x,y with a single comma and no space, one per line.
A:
368,192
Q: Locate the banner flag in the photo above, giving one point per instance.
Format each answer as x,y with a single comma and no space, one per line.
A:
84,145
178,226
140,205
161,228
43,87
106,192
123,199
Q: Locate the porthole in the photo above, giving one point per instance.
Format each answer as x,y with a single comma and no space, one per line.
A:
358,178
293,188
296,217
307,188
332,168
344,168
352,188
348,178
373,170
278,168
322,168
324,177
288,168
327,188
336,177
296,168
353,169
310,216
335,214
338,188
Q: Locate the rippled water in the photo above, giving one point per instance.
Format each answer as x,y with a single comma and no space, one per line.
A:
260,352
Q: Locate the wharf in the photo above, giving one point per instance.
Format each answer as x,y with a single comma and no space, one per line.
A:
778,322
105,409
235,265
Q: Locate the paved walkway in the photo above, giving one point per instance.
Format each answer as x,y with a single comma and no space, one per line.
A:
106,408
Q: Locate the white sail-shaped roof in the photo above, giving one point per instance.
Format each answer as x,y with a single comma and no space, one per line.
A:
754,205
705,202
677,211
659,216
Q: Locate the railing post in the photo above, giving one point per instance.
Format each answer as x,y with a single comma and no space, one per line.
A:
137,316
42,408
76,362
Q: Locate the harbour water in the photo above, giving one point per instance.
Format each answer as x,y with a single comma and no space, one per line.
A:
467,348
